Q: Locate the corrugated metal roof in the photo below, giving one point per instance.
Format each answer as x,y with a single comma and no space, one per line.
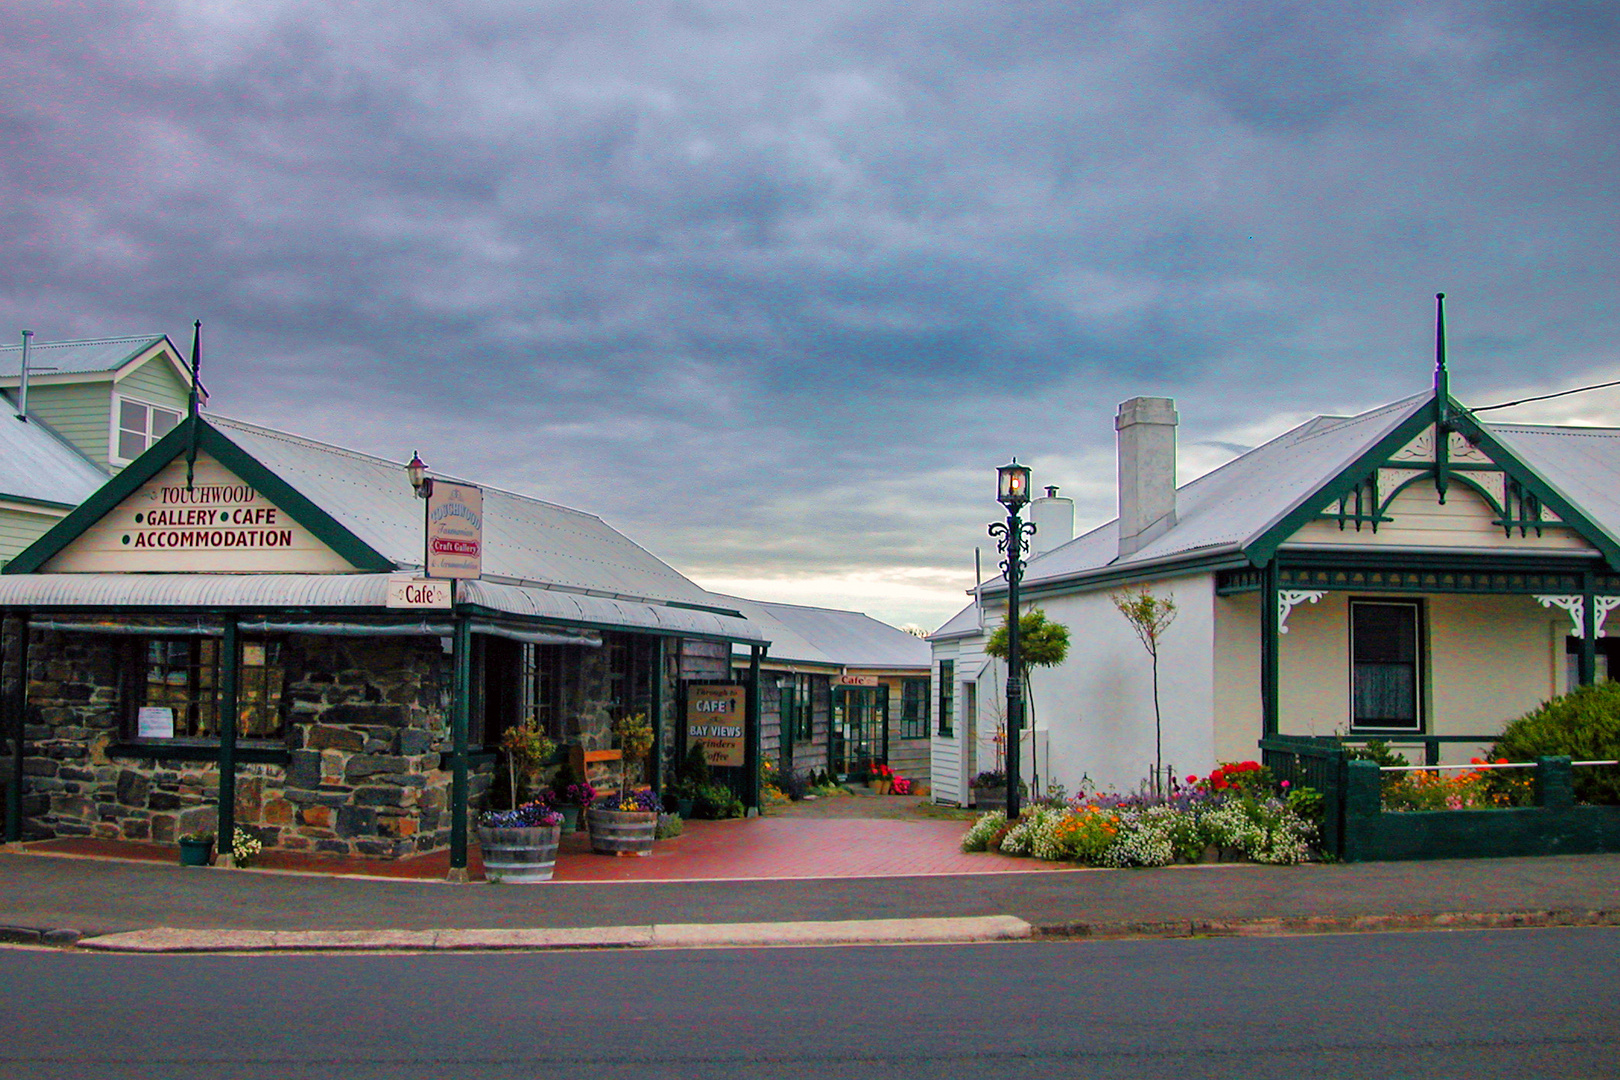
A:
1582,463
38,464
525,539
75,357
1232,506
281,592
964,623
848,639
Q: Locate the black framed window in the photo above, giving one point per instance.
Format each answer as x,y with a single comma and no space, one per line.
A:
947,695
174,691
795,709
914,709
1604,656
1386,668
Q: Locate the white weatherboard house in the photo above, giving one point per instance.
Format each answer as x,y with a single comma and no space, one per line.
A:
1413,574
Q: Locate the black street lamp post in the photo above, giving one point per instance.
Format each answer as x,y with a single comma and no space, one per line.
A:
1013,538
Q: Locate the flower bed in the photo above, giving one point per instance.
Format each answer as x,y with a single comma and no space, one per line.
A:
1237,813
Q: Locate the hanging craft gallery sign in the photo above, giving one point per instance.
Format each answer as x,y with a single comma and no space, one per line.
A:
714,719
216,524
455,530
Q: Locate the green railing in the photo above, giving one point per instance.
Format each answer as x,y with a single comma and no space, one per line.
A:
1555,825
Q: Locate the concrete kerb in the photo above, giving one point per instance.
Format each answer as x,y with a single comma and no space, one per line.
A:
665,936
936,931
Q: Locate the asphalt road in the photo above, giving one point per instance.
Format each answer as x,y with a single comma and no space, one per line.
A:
1532,1003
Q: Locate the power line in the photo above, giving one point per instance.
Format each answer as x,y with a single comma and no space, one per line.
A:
1546,397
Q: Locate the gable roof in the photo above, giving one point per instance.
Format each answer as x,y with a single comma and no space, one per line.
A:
80,361
846,639
38,465
363,507
1241,512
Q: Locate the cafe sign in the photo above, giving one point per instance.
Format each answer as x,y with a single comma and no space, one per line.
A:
714,720
455,530
856,680
415,592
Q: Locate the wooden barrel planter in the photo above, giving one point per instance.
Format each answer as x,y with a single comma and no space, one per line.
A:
990,798
621,832
519,856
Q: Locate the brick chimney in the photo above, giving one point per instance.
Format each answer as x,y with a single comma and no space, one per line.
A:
1147,471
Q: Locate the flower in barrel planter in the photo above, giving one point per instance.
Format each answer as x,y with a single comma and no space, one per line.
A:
625,825
882,778
520,845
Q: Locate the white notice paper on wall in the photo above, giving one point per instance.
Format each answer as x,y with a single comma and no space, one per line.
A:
155,722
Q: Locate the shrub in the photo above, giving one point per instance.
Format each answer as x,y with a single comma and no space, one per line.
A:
1583,724
668,825
716,801
979,833
795,784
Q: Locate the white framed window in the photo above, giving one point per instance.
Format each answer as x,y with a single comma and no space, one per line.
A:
139,424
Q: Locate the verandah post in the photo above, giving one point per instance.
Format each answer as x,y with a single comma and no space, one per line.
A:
1588,664
751,733
230,658
16,706
655,706
1269,721
460,689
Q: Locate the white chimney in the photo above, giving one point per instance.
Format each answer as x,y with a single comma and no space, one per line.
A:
1147,471
1054,522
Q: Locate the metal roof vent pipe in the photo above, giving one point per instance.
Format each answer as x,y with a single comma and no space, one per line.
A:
22,382
1147,471
1054,522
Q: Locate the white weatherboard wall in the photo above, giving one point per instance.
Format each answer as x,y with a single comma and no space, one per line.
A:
1097,708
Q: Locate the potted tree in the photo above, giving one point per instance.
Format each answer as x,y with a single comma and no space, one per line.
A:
627,825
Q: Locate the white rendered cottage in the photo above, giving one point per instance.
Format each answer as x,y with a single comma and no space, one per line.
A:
1412,574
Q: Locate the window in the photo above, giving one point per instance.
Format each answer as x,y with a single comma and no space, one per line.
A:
1385,671
914,709
1603,657
947,692
177,686
140,425
795,710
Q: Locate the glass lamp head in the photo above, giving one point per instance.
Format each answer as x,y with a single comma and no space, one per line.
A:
1012,489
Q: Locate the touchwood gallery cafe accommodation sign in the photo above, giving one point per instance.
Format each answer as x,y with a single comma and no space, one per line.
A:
218,525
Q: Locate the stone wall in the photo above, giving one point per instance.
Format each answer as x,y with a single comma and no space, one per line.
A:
366,722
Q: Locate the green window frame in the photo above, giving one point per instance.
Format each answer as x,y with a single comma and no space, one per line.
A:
914,709
947,696
181,674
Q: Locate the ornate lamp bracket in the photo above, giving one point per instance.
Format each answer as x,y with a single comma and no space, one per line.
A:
1014,544
1576,606
1288,599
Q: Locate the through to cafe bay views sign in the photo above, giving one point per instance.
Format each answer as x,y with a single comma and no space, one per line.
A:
714,718
219,525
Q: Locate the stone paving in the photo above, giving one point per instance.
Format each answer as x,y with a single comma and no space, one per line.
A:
860,836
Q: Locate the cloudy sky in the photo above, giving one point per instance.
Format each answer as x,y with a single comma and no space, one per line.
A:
774,285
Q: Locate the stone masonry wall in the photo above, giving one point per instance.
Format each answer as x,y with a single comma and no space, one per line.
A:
366,721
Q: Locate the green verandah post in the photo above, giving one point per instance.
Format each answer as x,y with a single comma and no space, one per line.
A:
1588,663
1269,652
655,708
230,659
16,706
751,733
461,685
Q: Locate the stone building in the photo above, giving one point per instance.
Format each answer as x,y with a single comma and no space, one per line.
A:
237,630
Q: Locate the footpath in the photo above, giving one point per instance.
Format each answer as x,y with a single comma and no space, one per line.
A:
149,907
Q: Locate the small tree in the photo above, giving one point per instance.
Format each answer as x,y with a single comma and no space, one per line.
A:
1041,643
1150,616
527,748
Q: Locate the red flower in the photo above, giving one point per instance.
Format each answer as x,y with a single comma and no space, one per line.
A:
1191,779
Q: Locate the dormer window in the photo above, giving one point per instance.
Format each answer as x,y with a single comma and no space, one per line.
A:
140,425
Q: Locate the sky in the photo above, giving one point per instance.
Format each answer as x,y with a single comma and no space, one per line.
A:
774,287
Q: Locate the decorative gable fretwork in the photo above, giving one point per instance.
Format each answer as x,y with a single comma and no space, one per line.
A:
1575,605
1301,579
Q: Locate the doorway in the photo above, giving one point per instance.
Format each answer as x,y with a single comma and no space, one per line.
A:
859,732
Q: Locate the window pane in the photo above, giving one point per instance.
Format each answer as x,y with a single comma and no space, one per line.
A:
163,422
132,416
130,444
1385,632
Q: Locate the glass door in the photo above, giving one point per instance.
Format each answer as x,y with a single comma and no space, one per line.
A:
856,732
